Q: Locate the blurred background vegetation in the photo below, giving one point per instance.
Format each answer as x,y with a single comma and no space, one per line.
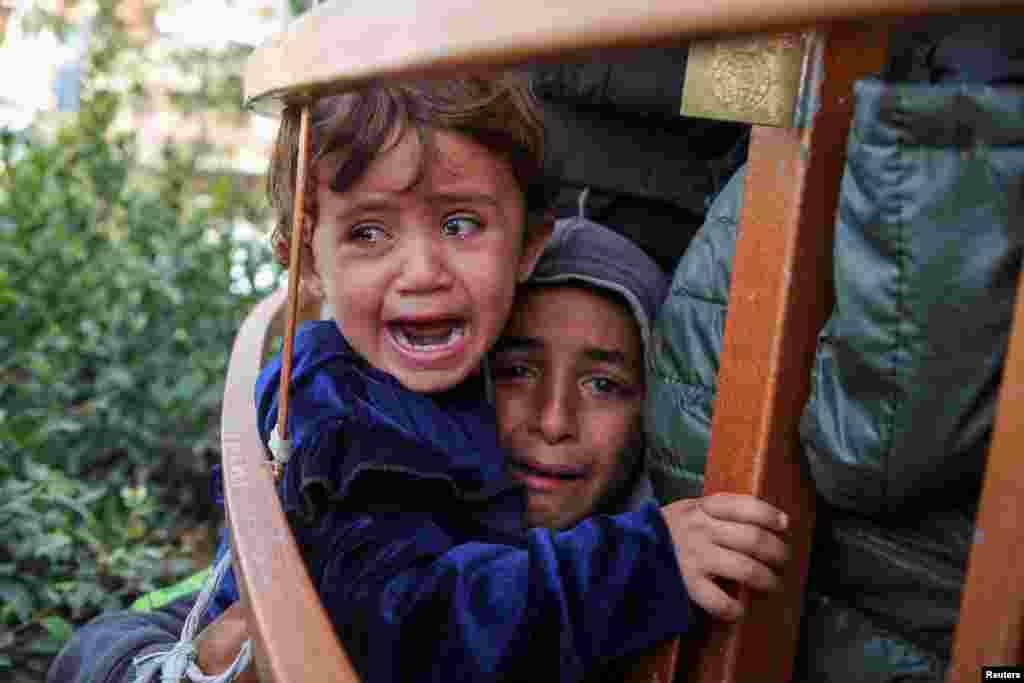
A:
126,265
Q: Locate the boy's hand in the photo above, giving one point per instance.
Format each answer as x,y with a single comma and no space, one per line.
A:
219,643
726,536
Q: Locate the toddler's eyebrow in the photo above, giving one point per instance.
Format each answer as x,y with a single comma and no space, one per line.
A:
465,198
368,204
385,203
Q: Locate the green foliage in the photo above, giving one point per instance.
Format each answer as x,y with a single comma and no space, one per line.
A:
216,78
297,7
121,288
72,548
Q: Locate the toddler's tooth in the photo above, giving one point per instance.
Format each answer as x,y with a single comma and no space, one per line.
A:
430,342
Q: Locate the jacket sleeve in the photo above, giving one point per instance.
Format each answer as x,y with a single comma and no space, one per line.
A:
928,242
559,607
102,650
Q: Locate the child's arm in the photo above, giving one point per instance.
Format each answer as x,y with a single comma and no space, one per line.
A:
726,536
409,603
569,600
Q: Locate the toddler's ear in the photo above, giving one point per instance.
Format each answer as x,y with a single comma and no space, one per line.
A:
311,280
313,286
537,235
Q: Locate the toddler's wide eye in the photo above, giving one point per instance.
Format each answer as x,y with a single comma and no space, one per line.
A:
460,225
367,233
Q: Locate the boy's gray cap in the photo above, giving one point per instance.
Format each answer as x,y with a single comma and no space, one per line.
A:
584,251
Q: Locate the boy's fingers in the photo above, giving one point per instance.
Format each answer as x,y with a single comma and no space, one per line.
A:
741,568
750,540
715,601
735,507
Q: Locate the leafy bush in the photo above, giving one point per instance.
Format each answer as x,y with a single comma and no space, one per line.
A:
121,289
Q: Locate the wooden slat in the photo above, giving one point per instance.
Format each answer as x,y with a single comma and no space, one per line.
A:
286,611
991,628
343,43
294,278
780,297
657,665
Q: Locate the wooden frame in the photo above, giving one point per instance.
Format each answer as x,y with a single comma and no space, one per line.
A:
991,628
780,298
762,388
288,609
340,45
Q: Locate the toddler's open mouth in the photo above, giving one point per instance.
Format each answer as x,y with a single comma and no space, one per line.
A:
425,337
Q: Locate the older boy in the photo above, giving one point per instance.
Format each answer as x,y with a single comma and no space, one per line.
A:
569,374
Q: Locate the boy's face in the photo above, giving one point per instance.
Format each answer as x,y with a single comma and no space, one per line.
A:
420,257
569,389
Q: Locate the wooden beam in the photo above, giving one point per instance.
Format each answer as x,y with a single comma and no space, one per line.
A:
991,627
780,297
341,44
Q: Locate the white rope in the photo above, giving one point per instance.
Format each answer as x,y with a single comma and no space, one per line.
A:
179,662
280,449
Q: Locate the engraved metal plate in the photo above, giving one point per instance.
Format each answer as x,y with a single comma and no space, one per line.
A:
754,79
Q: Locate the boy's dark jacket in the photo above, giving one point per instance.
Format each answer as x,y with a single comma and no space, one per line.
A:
413,534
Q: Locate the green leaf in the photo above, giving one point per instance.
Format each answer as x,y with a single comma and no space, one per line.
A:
18,599
59,628
51,545
64,425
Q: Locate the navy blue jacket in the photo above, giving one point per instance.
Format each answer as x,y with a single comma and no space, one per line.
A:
414,536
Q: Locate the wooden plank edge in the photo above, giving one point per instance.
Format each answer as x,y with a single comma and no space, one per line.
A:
295,641
340,45
781,297
990,631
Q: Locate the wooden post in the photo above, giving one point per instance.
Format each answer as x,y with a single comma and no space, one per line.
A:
991,627
293,638
780,298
